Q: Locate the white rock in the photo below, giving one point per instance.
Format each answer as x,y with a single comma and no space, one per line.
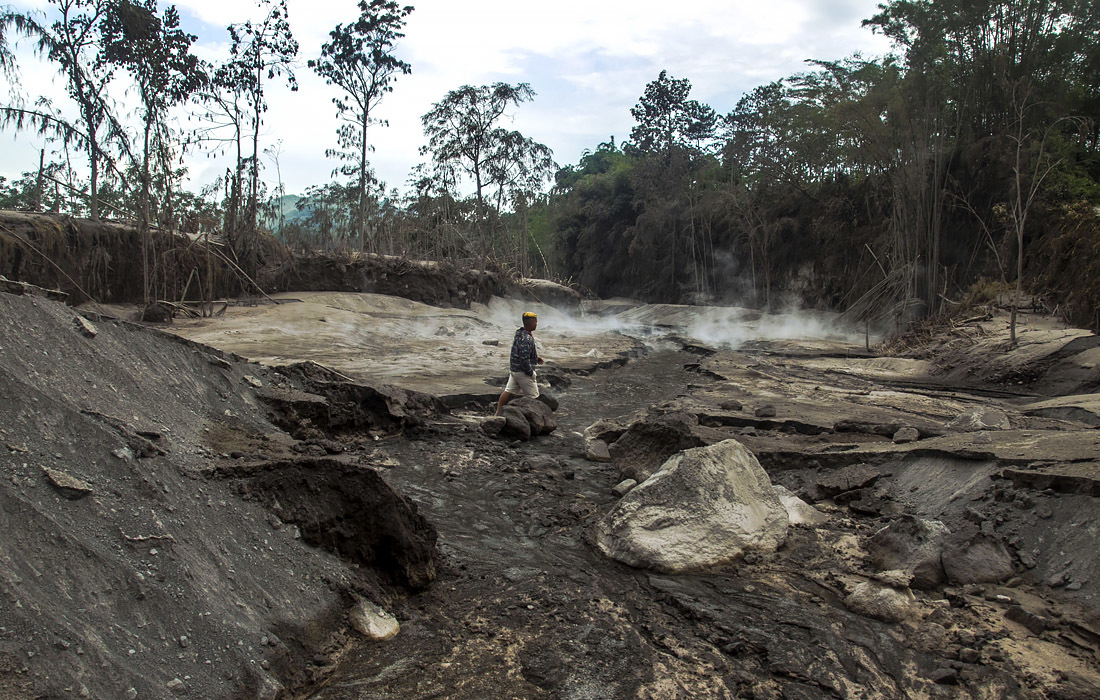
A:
623,487
799,512
984,418
373,622
84,327
884,603
704,507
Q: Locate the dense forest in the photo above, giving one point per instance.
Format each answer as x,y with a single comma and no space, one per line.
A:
961,167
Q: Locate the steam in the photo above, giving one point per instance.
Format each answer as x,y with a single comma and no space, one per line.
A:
726,327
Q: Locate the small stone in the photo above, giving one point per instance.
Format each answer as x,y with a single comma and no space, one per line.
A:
85,327
624,487
218,362
253,381
1034,623
1045,512
906,435
176,686
1073,586
184,641
124,453
597,451
730,405
944,676
765,411
67,485
493,343
373,622
969,656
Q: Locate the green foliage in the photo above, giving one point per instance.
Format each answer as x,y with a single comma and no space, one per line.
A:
359,59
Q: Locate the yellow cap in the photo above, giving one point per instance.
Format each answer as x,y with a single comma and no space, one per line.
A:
530,314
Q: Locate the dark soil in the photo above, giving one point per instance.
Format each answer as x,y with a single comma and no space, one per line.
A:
207,523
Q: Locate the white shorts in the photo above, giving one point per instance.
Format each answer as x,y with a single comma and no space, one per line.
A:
519,384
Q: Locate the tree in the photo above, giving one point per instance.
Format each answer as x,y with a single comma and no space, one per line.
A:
359,60
463,130
157,53
74,43
668,120
259,52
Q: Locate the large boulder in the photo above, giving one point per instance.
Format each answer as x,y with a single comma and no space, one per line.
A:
974,557
912,545
537,413
880,602
704,507
515,423
645,446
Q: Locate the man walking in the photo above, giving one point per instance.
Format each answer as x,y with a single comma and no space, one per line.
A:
521,375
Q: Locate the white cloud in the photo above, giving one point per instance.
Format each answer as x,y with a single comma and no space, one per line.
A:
587,60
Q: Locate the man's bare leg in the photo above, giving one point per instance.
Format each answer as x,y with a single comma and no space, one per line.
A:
505,397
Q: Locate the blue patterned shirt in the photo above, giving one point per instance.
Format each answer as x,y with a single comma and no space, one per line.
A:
524,357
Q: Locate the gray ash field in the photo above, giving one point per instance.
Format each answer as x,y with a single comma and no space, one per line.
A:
181,520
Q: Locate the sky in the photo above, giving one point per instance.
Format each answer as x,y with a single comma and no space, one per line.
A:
587,60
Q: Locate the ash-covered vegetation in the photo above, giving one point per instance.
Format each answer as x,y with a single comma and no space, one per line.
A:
961,167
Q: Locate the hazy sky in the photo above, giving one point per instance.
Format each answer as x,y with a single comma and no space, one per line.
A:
587,61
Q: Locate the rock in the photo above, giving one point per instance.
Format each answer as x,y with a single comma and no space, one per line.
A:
124,453
253,381
596,451
730,405
67,485
765,411
849,478
157,313
373,622
884,603
798,511
969,656
493,426
218,362
912,545
176,686
549,399
849,425
515,423
976,558
896,578
607,430
85,327
645,446
944,676
704,507
493,343
1035,624
623,487
871,501
906,435
984,418
537,413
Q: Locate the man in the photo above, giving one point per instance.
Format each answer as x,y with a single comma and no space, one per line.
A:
521,375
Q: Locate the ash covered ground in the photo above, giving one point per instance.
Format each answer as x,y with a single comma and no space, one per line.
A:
231,507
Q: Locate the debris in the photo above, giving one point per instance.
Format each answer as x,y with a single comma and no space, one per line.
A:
67,485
